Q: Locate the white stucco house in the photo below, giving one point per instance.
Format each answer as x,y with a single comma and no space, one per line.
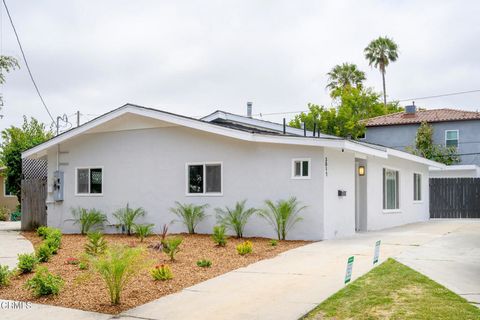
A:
151,158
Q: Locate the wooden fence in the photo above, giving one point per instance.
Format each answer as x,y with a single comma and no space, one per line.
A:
34,210
455,198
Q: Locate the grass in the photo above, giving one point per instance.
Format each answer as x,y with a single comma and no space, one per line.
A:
394,291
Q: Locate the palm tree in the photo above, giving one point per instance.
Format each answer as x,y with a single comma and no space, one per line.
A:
379,53
345,75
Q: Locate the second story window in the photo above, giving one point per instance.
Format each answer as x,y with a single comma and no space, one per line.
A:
451,138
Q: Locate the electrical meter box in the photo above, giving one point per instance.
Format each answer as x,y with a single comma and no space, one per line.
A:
58,185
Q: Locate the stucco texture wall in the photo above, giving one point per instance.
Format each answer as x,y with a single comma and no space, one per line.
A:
147,168
10,202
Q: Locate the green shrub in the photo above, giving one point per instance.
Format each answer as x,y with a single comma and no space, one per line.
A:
171,246
117,267
26,262
218,235
96,244
127,217
204,263
83,265
15,216
161,272
43,231
44,283
282,215
245,248
189,214
44,252
54,239
273,242
4,212
4,276
235,219
89,220
143,230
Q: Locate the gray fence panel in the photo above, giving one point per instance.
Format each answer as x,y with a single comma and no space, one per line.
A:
455,198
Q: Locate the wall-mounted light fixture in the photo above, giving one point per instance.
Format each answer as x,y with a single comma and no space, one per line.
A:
361,170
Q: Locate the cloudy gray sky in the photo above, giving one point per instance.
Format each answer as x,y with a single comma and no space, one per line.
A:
192,57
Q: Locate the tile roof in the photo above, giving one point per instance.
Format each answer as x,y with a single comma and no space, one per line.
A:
434,115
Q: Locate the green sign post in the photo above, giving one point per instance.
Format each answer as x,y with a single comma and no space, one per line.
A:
348,274
377,252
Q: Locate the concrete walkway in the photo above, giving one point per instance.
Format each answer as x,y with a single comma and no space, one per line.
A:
12,243
452,260
291,284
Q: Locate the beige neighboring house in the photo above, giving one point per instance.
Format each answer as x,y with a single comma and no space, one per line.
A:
7,199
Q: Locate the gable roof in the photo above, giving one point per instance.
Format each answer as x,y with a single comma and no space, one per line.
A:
434,115
240,133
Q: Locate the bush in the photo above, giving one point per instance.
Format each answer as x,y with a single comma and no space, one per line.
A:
4,276
127,217
15,216
204,263
117,267
96,244
4,212
273,242
282,216
26,262
235,219
190,214
143,230
161,272
218,235
44,283
43,231
171,246
54,239
245,248
83,265
44,252
89,219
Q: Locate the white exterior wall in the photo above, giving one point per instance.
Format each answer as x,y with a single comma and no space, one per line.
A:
339,211
147,168
409,211
456,172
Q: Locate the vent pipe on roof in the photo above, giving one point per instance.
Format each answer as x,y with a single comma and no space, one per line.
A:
284,126
411,109
249,109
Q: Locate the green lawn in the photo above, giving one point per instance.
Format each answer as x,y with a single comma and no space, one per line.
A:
394,291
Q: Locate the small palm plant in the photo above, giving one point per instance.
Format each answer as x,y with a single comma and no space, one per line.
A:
96,244
89,219
190,214
127,217
282,215
235,219
143,230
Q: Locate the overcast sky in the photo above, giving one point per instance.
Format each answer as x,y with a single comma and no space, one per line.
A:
193,57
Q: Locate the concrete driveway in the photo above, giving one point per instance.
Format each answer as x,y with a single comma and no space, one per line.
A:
12,243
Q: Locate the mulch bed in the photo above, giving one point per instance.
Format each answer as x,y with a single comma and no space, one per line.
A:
90,293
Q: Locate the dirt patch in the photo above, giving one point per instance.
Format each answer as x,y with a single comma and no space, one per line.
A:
91,294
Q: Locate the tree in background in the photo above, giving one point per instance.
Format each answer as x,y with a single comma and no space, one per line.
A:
7,64
379,53
15,141
425,147
355,105
343,76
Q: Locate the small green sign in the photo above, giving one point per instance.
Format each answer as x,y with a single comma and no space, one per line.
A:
376,254
348,274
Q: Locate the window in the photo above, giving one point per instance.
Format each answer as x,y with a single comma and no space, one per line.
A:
390,189
451,138
300,168
89,181
204,178
417,187
7,190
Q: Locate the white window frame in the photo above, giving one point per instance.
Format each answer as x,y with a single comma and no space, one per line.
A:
89,194
421,183
204,193
458,136
5,195
309,160
396,210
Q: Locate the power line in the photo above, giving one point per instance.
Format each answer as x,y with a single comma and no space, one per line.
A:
439,95
25,60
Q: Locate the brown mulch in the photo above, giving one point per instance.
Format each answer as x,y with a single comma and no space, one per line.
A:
90,293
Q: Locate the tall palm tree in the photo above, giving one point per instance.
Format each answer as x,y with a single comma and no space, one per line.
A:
379,53
345,75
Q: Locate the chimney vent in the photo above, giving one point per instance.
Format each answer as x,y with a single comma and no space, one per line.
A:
249,109
411,109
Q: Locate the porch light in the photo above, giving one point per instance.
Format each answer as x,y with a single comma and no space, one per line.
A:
361,170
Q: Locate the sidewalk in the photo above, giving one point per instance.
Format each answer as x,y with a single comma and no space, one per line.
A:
12,243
